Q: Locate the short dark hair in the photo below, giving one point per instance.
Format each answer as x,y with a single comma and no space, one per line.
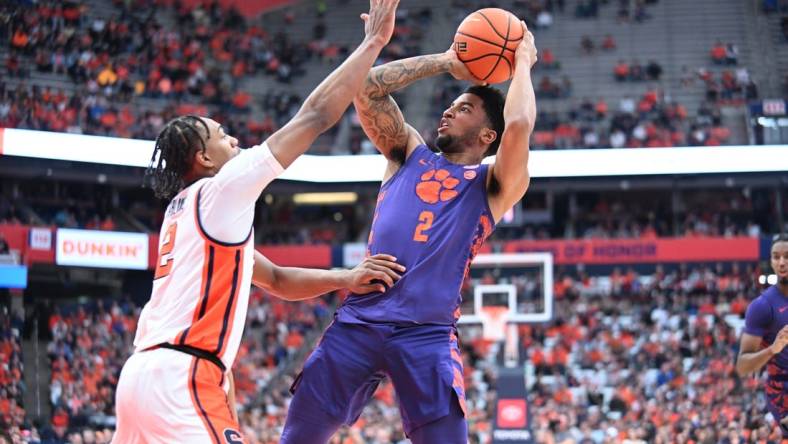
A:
176,145
493,100
781,237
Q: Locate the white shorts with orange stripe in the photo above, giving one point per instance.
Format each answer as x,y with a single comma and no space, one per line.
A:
166,396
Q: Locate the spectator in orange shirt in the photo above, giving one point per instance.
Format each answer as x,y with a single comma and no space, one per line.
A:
563,396
601,109
107,224
609,43
718,53
547,60
20,40
621,71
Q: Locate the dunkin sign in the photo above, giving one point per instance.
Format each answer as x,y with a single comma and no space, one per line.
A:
106,249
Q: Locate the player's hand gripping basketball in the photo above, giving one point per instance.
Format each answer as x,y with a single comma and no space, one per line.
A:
780,341
526,50
374,273
458,70
379,23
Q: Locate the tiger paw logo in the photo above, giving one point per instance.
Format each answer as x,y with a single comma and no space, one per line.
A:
437,186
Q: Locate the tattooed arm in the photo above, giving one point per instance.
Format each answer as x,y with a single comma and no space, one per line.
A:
379,114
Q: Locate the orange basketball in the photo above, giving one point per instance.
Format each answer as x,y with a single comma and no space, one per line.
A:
485,42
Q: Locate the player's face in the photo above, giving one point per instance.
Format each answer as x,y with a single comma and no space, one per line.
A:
780,261
219,147
461,124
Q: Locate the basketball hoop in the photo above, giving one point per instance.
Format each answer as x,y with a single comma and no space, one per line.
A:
500,307
494,319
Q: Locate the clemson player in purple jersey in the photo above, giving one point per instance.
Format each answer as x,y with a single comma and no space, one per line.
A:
766,335
433,213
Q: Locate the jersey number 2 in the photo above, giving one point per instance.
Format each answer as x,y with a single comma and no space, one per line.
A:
164,262
426,218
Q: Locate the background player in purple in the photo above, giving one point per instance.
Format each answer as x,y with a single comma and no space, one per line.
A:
433,213
766,335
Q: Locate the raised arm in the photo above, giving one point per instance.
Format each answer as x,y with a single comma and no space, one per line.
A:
510,171
375,273
380,115
323,108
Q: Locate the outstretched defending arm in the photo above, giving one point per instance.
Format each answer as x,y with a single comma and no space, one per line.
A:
510,171
245,176
323,108
294,284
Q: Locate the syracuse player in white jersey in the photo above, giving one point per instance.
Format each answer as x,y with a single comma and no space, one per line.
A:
174,388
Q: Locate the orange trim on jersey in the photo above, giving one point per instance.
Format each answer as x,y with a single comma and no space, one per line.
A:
232,303
458,380
197,402
206,270
210,402
456,355
463,405
211,328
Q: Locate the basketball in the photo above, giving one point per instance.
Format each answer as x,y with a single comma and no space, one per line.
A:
486,41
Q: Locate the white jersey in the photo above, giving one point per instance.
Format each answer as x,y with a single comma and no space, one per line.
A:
206,256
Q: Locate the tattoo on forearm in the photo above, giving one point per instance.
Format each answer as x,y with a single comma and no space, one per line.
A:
383,122
393,76
379,114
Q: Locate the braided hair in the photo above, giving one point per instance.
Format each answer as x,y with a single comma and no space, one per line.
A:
174,153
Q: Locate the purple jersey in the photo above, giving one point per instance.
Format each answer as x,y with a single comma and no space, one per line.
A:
766,315
433,216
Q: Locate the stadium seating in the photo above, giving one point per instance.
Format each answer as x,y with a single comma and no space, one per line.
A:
629,357
734,212
54,86
579,362
12,387
691,317
89,346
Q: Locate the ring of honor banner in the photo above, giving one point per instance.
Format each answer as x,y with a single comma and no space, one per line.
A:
512,416
642,251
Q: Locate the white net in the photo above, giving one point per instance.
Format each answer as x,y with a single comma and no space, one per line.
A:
494,322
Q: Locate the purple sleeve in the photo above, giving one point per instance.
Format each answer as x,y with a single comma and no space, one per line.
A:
421,152
758,317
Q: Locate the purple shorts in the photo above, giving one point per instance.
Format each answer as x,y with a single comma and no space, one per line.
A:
342,373
777,394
